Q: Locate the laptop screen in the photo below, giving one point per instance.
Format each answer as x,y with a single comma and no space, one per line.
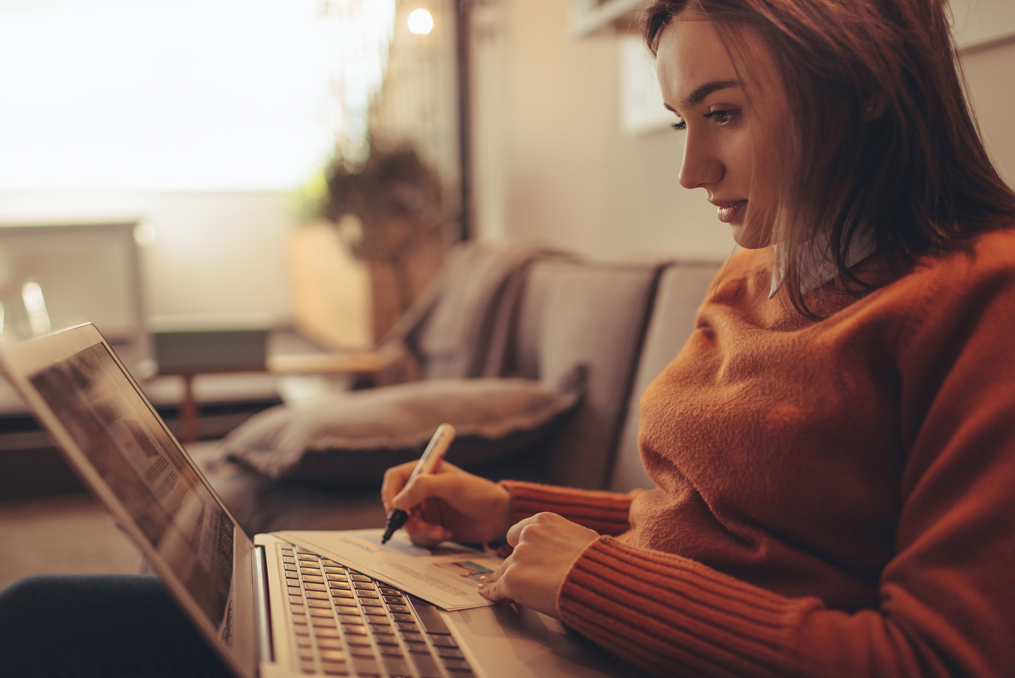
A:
128,446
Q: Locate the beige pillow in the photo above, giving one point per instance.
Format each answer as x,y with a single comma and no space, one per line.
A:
350,439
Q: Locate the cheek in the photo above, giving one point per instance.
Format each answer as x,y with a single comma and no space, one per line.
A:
740,160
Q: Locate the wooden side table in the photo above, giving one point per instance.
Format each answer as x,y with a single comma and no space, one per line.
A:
191,353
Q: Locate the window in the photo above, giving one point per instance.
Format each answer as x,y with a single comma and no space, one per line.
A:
182,94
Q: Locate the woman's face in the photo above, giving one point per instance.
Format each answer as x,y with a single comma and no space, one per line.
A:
728,146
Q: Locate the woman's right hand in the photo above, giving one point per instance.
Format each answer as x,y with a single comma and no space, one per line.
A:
449,504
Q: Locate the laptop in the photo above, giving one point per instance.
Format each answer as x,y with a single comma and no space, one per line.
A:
267,607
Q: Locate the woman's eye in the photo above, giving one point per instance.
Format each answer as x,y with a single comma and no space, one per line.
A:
680,125
724,116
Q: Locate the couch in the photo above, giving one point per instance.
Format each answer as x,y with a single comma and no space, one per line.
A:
547,316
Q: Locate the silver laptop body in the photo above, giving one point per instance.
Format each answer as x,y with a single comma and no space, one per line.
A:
231,587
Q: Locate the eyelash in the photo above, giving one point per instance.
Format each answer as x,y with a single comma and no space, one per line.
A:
727,113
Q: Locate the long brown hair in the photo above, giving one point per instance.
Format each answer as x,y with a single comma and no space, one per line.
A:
882,136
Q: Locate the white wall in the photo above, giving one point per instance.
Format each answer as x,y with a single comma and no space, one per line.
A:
552,163
214,254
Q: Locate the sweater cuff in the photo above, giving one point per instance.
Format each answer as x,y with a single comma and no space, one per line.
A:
604,512
665,613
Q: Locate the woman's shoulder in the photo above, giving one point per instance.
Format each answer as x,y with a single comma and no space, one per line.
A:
990,255
948,288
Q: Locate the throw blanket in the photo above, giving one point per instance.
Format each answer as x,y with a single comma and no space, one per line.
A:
460,326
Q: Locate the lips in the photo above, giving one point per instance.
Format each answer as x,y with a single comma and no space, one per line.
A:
730,211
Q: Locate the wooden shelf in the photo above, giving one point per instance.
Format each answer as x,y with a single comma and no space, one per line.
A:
605,18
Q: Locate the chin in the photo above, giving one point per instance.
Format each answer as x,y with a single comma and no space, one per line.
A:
749,238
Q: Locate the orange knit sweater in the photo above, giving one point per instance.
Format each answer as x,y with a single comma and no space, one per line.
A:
834,498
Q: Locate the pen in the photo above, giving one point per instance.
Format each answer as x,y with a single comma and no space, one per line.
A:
428,463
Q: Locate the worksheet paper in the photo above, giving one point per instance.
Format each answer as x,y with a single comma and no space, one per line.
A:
446,575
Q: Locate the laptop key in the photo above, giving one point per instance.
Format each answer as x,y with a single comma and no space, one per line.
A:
324,621
335,669
366,666
354,629
450,653
386,639
330,655
456,665
426,666
397,667
428,615
442,640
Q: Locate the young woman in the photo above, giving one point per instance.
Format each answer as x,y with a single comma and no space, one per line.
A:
834,447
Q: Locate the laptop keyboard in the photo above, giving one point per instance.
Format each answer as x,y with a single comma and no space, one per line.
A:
348,624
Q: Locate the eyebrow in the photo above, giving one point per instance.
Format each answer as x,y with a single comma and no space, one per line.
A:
698,95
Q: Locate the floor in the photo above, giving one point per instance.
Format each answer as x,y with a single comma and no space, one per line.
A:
61,535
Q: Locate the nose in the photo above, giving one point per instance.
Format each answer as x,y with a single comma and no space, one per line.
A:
700,166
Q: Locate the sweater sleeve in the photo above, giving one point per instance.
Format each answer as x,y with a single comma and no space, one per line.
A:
947,595
604,512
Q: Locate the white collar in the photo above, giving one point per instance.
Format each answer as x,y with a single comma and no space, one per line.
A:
817,262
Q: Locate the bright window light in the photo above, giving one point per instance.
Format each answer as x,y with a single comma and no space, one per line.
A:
35,304
173,94
420,22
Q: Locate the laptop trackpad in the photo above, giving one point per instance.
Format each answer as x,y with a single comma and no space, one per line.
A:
509,640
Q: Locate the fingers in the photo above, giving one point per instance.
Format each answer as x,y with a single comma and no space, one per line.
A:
394,480
514,534
491,586
546,546
466,507
442,485
427,534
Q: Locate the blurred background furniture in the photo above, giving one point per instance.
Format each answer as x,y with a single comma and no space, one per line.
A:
621,321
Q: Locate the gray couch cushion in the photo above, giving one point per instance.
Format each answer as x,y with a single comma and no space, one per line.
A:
594,314
682,288
350,439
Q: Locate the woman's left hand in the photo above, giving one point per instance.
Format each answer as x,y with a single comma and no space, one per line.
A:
545,547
